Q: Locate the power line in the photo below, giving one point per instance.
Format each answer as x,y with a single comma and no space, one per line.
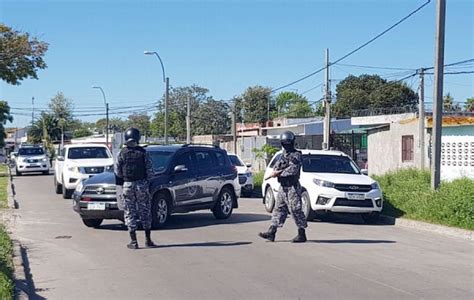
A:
376,67
356,49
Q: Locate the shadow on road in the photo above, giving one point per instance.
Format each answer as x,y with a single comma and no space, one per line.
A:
195,220
206,244
352,241
27,285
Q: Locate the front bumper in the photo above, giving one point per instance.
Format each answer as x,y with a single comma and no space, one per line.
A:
111,209
33,167
337,201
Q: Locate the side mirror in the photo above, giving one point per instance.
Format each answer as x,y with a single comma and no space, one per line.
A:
180,168
249,165
60,158
364,172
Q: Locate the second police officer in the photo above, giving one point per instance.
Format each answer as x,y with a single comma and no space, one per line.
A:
287,170
134,169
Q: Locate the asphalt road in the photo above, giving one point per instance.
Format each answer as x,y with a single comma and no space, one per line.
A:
201,258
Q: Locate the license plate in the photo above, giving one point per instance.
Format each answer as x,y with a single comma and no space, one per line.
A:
354,196
96,206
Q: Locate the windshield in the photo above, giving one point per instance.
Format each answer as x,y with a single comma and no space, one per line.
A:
329,164
236,161
160,159
30,151
88,153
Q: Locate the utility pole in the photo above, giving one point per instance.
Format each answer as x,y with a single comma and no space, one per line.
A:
327,101
234,129
188,121
438,95
33,110
107,124
421,119
167,87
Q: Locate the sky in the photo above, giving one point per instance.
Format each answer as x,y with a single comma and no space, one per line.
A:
225,46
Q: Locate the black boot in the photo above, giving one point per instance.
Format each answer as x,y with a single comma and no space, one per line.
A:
133,244
301,237
270,234
149,242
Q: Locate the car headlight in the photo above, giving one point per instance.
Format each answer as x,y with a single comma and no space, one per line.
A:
74,169
109,168
79,187
323,183
44,159
375,186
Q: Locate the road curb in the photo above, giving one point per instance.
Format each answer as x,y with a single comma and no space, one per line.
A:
21,280
11,193
418,225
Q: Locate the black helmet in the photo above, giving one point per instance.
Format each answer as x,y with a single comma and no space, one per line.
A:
287,140
132,134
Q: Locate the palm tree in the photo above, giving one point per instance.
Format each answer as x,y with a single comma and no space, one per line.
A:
448,104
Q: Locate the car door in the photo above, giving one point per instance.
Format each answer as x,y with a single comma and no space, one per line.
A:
59,164
219,167
208,175
272,181
183,183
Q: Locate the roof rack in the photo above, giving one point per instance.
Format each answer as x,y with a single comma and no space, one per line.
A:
201,145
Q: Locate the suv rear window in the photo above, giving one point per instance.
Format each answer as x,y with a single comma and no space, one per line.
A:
30,151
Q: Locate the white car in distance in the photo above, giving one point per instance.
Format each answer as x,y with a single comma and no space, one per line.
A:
331,182
244,173
77,162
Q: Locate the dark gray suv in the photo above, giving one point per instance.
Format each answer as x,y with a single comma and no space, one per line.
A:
187,178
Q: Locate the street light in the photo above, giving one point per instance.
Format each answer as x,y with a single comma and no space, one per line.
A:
166,80
106,115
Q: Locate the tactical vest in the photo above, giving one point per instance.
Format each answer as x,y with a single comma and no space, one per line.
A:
289,180
133,167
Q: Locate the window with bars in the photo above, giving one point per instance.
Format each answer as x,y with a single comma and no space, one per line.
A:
407,148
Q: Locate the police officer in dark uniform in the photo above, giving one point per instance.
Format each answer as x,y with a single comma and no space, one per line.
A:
287,170
134,169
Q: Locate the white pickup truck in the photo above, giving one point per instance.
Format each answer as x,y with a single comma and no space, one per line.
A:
77,162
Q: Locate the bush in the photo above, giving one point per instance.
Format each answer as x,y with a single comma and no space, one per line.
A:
407,193
258,179
6,266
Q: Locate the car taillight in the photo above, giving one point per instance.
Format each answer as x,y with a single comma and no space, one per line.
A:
86,198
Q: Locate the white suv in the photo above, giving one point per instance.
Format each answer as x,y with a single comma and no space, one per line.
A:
245,174
78,162
331,182
31,159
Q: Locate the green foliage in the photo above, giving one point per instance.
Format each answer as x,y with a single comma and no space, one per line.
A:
6,265
115,124
21,55
407,193
469,106
141,122
46,127
291,104
266,152
253,104
258,179
370,91
61,109
82,132
208,116
4,118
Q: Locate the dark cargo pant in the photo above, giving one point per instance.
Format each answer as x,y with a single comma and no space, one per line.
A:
289,200
137,204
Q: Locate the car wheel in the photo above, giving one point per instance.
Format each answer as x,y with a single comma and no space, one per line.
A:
18,173
95,223
161,210
67,194
224,206
371,218
269,200
309,213
57,186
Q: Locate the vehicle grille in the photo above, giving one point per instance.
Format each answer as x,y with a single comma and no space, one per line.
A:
242,179
353,203
94,170
99,190
32,160
353,188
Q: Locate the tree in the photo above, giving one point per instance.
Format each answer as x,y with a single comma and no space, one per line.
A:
21,56
469,106
115,124
211,117
82,132
61,108
291,104
371,91
46,127
255,104
141,121
177,110
4,118
448,104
